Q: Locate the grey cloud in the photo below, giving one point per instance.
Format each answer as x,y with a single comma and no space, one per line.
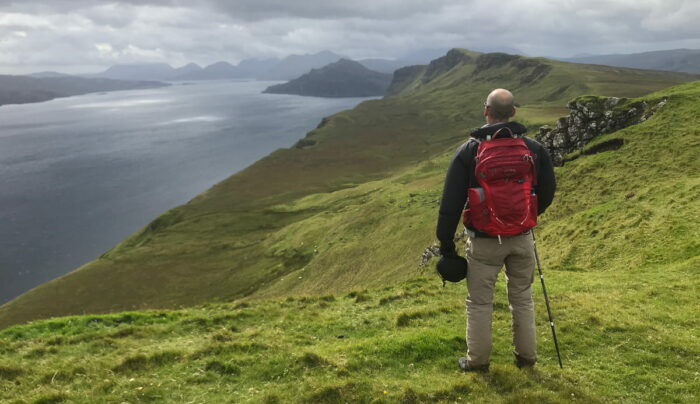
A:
102,32
254,10
58,6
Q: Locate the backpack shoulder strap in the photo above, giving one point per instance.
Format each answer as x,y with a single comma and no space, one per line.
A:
474,144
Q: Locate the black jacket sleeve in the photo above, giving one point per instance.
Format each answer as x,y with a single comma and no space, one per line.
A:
546,182
454,196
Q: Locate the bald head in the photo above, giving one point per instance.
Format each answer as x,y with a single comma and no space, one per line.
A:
499,105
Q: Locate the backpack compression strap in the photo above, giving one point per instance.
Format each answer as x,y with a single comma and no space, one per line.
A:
495,135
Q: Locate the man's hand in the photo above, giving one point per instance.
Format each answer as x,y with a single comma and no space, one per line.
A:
447,249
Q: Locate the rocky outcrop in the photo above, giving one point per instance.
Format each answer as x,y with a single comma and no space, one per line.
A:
526,69
434,249
491,60
404,77
415,75
444,64
537,70
589,118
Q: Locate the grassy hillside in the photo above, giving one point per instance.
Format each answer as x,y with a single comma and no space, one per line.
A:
343,311
623,339
353,205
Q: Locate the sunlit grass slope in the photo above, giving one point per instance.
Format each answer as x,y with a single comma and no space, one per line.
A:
356,206
623,339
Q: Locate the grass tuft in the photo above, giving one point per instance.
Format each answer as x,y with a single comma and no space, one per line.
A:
404,319
312,360
224,369
51,399
10,372
142,362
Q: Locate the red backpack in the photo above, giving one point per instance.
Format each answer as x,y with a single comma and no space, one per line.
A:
505,204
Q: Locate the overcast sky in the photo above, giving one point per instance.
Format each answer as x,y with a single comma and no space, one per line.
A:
89,35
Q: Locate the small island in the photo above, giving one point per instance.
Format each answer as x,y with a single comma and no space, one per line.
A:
344,78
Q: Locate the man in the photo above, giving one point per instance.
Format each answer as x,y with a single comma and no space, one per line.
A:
487,254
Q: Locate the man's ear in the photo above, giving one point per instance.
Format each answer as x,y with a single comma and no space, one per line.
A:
512,114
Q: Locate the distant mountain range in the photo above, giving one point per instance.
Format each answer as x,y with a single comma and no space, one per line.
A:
370,80
675,60
293,66
329,79
344,78
47,86
286,68
262,69
41,75
153,71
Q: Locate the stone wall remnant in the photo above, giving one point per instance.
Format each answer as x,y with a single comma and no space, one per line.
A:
590,117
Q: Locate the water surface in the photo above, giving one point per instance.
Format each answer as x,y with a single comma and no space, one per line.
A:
79,174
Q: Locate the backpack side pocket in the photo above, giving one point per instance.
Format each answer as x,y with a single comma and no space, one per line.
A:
478,210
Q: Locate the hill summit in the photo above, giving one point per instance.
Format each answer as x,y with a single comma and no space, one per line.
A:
344,78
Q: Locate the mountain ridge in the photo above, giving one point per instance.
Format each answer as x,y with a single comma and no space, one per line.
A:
677,60
287,68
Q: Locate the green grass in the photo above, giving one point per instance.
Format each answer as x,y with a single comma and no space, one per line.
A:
318,296
394,344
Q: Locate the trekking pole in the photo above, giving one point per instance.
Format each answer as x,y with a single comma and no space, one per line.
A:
546,300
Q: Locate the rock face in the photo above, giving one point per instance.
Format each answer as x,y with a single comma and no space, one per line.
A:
444,64
491,60
404,76
589,118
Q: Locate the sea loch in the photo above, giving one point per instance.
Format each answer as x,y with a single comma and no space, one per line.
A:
79,174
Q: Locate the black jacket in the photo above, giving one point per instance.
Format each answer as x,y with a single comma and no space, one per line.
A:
460,176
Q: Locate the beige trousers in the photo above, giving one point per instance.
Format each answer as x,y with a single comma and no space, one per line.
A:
486,257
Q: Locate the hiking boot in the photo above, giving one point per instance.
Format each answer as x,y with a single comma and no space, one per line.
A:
465,366
521,362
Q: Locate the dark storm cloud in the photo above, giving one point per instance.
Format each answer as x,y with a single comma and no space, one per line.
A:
100,32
